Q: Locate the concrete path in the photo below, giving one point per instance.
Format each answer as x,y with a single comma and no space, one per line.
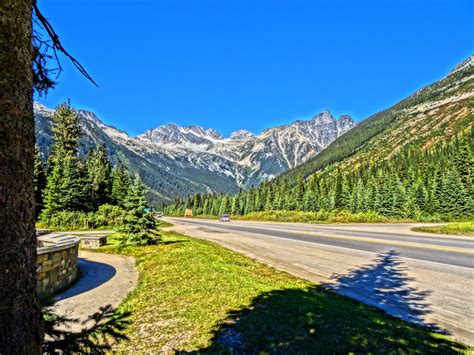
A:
105,279
422,278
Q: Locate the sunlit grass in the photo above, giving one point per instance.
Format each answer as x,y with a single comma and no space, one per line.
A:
459,228
191,292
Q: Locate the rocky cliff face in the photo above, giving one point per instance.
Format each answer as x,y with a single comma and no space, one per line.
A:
176,160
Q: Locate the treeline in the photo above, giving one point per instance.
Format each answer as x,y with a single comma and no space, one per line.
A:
83,193
434,185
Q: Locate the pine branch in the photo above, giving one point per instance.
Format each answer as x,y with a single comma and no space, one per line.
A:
55,45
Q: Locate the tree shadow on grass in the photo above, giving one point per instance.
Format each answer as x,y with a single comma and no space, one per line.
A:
317,320
168,242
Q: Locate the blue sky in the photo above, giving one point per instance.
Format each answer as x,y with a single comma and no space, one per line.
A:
252,64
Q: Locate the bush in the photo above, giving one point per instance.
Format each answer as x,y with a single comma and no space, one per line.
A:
107,216
321,216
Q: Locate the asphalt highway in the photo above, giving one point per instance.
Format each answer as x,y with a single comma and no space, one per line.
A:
455,251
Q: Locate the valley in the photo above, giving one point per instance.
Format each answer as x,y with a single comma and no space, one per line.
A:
179,161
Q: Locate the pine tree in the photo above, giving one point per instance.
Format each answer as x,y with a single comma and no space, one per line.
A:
139,224
308,200
120,185
66,131
464,163
410,207
338,193
52,194
233,205
454,198
72,185
224,206
98,188
205,208
299,194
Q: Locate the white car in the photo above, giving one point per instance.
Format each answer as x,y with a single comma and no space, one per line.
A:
224,218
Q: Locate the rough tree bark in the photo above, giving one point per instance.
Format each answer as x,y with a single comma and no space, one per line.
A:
20,317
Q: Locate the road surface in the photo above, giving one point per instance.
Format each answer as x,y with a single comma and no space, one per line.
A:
423,278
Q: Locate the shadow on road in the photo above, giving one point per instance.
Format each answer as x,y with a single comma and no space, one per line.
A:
317,320
386,285
92,275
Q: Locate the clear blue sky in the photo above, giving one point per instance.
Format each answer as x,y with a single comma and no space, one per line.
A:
231,64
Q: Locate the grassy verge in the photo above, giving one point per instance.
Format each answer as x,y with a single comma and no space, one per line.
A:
197,296
459,228
163,224
321,216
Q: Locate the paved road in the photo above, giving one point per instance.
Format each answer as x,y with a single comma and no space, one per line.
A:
422,278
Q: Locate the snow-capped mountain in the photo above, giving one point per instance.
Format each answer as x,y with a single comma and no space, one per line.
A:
175,160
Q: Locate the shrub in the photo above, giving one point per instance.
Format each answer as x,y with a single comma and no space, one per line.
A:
321,216
107,216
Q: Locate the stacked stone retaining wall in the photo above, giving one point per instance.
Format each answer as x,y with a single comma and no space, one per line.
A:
56,263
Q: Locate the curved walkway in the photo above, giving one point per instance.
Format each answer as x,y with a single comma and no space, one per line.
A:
105,279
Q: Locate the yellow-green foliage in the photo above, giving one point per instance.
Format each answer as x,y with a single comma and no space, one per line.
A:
321,216
107,216
460,228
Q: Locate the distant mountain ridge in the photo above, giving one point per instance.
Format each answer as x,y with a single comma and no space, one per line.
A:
179,160
432,115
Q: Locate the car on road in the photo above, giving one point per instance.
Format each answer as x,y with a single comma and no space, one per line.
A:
224,218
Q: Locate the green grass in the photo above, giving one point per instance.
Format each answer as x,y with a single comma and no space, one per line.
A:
197,296
163,224
459,228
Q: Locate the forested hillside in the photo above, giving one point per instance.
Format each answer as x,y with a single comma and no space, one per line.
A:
433,114
413,160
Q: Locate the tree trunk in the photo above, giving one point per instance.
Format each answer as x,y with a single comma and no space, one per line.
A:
20,317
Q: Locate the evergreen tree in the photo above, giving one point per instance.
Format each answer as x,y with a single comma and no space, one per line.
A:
205,208
308,200
72,185
233,205
454,197
52,194
66,131
410,208
120,185
98,188
338,192
139,224
224,206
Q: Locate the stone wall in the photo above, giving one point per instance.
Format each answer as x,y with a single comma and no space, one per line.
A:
56,263
93,241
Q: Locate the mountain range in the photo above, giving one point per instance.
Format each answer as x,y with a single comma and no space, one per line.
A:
432,116
177,160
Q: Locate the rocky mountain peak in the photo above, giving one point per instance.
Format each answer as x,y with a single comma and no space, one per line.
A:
465,64
173,133
42,110
241,134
